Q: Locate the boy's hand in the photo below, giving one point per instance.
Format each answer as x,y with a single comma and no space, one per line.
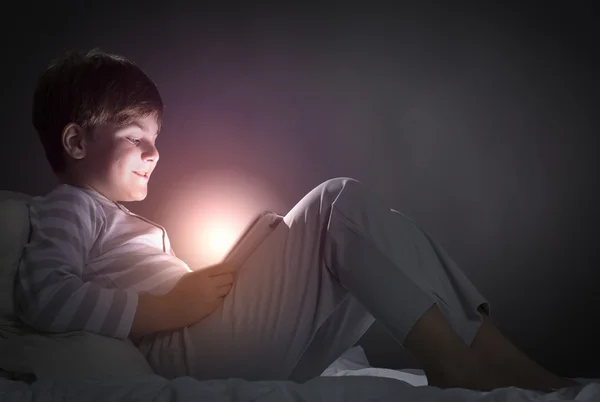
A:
199,293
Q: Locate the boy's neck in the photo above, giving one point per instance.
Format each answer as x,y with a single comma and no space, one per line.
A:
89,190
72,179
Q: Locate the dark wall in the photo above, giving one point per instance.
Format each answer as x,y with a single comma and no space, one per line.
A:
481,124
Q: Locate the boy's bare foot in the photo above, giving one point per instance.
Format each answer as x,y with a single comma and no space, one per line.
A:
470,373
447,361
498,352
490,362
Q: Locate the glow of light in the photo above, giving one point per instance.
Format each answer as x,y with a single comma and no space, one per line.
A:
212,210
221,240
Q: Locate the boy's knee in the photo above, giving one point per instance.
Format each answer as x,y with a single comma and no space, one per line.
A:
344,192
337,181
324,196
338,185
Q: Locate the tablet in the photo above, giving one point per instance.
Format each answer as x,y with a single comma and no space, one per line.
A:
254,234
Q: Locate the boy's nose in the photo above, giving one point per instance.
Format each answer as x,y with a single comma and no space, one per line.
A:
151,154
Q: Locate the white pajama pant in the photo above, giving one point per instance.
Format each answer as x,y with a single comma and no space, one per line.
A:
339,261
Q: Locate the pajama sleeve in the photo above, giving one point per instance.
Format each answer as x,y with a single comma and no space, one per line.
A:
50,294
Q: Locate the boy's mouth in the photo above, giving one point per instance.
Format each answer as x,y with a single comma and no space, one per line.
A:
141,174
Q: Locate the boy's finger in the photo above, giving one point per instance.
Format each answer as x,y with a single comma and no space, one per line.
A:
224,290
222,280
221,268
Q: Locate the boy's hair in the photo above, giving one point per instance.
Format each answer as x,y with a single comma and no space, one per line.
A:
90,89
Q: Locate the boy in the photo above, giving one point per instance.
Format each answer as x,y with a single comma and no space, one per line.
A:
304,296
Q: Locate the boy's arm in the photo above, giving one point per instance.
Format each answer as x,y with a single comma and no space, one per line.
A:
50,294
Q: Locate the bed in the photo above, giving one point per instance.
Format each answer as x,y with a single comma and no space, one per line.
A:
348,379
84,367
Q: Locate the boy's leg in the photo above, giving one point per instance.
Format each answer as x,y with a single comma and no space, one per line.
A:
343,328
337,238
363,232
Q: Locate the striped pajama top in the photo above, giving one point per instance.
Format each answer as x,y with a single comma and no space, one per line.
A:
86,261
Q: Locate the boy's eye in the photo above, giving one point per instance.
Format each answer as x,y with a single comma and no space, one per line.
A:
134,141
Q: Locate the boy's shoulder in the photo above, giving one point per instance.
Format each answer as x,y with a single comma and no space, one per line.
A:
65,196
66,192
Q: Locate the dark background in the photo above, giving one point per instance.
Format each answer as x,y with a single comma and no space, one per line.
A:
478,122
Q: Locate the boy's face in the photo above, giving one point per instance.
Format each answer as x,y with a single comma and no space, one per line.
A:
118,162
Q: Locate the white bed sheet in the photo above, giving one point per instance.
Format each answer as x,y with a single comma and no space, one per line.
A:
349,379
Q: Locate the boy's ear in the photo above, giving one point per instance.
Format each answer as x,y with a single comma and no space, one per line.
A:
73,140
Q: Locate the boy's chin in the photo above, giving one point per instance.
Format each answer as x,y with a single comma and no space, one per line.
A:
140,197
137,196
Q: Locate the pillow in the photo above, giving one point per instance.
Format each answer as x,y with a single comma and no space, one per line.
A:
75,354
83,355
14,234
